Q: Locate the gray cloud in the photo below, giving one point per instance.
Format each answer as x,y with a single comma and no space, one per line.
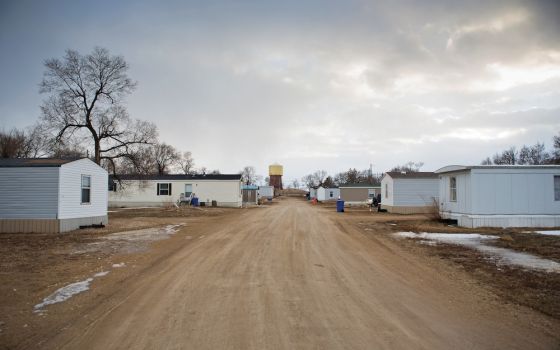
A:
315,84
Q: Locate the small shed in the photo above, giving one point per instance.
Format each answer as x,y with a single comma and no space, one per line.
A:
358,193
250,194
327,193
410,192
500,195
51,195
266,192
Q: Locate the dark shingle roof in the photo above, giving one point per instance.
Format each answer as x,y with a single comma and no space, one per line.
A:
34,162
412,175
179,177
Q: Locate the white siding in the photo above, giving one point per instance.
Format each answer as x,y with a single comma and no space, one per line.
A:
463,203
70,195
514,192
266,191
29,192
144,193
387,190
415,192
323,194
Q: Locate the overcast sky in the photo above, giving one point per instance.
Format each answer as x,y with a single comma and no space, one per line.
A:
309,84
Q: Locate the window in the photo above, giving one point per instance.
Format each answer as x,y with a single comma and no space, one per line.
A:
557,188
164,189
386,190
331,194
86,189
371,193
453,189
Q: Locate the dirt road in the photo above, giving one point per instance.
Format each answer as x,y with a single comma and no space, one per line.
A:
294,276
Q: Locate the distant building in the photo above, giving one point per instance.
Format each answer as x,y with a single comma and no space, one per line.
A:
358,193
161,190
327,193
500,195
51,195
409,192
266,192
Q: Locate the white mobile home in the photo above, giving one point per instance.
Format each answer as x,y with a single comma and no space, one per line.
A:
266,192
313,192
501,195
161,190
409,192
51,195
327,193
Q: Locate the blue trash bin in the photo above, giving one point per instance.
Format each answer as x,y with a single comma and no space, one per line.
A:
194,201
340,206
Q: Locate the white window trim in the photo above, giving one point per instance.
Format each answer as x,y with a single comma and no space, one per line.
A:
452,189
84,188
160,189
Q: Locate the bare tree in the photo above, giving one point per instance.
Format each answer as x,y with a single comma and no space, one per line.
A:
320,176
295,183
486,161
249,175
187,163
555,158
410,167
28,143
164,157
533,155
85,96
328,182
309,181
507,157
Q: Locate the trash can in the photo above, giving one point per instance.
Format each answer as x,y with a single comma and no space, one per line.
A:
194,201
340,206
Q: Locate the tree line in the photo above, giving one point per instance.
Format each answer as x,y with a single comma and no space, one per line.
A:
527,155
351,176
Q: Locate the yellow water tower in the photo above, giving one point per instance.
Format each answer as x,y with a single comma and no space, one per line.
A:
275,172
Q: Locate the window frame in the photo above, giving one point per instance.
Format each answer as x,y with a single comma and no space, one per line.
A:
556,186
82,188
159,189
386,190
453,189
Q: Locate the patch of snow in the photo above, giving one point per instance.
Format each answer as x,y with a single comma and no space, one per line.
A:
119,265
549,233
64,293
392,224
101,274
477,242
147,234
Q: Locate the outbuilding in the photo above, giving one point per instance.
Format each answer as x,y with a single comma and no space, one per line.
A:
410,192
266,192
51,195
327,193
358,193
161,190
500,195
250,194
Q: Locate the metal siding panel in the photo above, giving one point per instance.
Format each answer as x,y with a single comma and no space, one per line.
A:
29,192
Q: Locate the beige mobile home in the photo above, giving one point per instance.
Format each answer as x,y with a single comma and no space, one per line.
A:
409,192
51,195
500,195
358,193
160,190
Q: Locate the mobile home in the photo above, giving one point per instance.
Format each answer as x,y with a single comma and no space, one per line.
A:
161,190
410,192
327,193
51,195
500,195
358,193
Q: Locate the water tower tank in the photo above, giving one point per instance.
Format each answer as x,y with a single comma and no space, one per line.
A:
276,169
